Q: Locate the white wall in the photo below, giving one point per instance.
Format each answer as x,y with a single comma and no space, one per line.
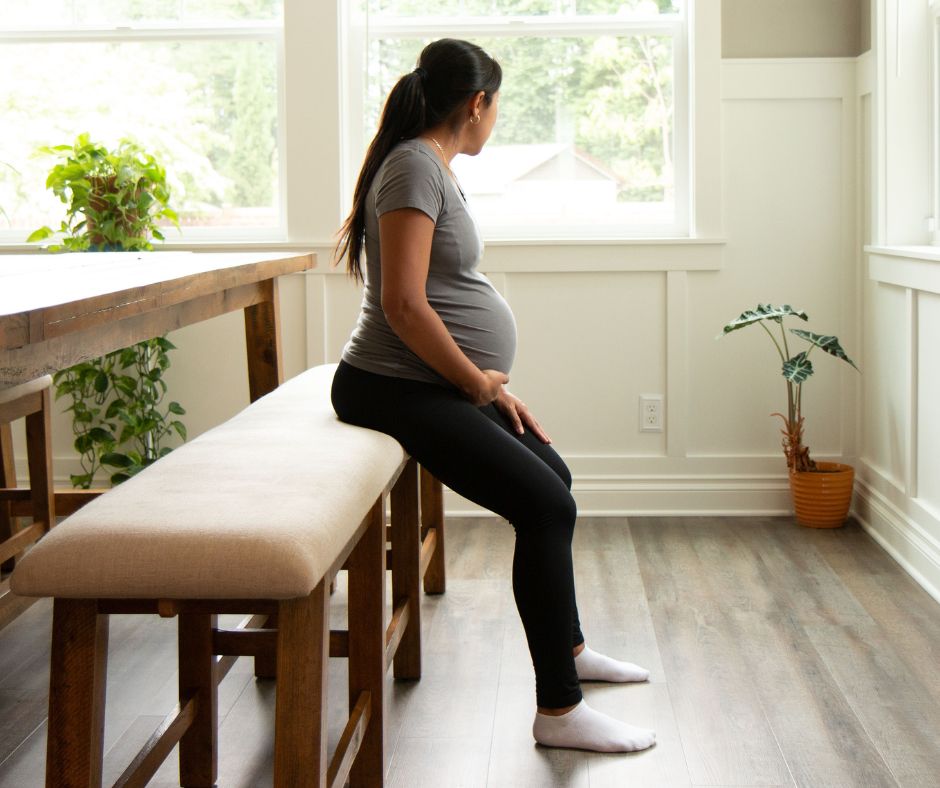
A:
792,28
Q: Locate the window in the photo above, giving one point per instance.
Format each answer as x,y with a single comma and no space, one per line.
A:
592,139
195,82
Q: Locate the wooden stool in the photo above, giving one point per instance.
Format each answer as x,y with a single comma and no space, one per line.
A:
31,401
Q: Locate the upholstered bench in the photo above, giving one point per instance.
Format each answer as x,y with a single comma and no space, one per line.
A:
255,516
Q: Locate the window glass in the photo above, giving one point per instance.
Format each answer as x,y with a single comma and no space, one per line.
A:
585,135
208,110
34,13
58,13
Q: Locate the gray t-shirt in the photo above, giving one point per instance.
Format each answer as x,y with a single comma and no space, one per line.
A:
475,314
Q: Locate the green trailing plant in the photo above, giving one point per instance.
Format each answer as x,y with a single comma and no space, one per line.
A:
796,370
118,415
114,200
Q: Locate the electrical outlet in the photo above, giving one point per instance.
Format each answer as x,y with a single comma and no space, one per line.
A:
651,413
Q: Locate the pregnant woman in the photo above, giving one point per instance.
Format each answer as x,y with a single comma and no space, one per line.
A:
428,364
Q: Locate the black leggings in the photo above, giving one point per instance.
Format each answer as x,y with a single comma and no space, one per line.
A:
475,452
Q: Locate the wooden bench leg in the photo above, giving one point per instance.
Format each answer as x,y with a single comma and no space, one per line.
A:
75,746
432,516
406,572
300,719
266,663
198,676
366,611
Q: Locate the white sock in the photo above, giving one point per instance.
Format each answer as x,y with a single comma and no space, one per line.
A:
592,666
583,728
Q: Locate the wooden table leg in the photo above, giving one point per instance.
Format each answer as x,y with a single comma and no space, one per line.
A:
262,333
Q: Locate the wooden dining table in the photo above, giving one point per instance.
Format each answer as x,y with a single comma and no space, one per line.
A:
57,310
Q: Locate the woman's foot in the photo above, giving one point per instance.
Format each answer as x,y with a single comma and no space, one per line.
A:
592,666
583,728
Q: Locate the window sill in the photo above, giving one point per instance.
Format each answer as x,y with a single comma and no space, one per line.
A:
527,255
916,267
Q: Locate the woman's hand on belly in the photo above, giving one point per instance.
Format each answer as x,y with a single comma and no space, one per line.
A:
490,386
519,416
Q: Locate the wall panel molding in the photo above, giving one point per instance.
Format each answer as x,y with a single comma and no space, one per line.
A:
901,525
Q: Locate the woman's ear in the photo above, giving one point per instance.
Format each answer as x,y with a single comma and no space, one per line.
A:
476,103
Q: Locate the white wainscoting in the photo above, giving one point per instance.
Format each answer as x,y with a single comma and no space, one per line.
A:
898,488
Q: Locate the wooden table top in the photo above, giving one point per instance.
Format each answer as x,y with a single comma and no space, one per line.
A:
59,309
49,295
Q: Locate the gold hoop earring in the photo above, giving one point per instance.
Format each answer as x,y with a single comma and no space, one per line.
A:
474,120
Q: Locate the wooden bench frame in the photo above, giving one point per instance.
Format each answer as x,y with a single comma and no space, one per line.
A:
417,497
289,638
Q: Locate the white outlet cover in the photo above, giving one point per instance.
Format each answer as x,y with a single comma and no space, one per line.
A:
651,413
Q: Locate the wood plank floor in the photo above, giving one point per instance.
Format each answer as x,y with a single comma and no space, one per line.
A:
779,656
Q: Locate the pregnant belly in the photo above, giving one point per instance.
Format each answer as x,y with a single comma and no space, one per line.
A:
483,328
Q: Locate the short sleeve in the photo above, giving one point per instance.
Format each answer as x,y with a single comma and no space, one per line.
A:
410,179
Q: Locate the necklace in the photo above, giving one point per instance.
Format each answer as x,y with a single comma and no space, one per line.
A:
446,164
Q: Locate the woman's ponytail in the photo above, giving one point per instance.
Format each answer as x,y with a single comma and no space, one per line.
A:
449,72
402,118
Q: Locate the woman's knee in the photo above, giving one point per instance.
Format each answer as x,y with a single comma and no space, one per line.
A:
565,475
558,512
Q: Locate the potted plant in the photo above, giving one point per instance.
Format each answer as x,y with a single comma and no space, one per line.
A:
114,200
822,491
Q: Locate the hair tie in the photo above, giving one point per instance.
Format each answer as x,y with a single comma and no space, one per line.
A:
421,72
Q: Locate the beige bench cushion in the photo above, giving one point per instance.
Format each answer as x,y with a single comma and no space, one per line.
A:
259,507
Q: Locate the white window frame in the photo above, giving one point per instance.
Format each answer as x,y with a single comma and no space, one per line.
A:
269,31
933,30
358,31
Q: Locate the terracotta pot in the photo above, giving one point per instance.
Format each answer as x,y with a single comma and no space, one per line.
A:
821,498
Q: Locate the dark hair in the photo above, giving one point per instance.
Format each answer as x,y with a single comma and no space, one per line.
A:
449,72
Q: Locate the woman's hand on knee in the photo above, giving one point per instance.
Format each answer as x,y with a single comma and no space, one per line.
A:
519,415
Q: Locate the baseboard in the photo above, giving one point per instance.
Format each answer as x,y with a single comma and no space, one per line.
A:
664,495
901,536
